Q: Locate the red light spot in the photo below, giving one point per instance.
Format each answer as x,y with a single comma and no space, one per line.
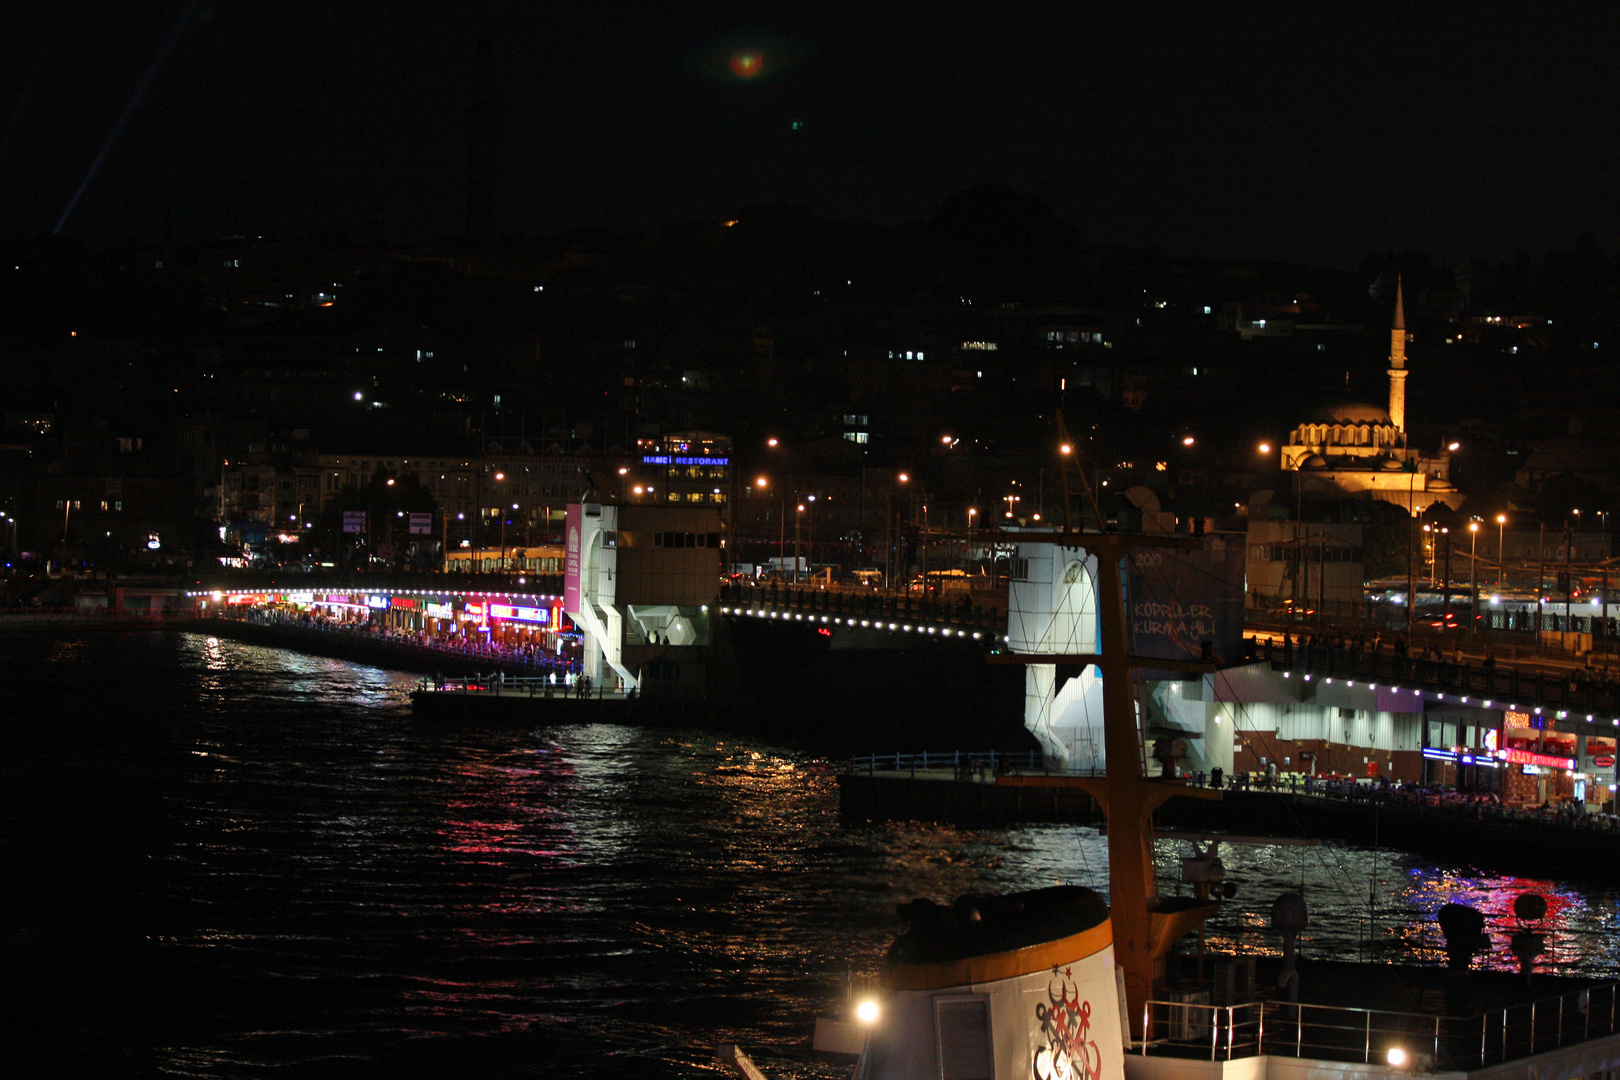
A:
823,631
747,65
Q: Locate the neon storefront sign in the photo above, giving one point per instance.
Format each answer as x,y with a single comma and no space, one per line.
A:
676,459
520,614
1529,757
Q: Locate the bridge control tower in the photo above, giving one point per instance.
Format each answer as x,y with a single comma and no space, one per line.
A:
1182,601
640,582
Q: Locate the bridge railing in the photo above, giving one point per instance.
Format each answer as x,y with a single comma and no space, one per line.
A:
1486,680
293,579
985,618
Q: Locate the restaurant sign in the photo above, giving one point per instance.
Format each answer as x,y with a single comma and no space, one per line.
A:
1529,757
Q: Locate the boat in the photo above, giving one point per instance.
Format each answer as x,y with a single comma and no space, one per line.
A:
1054,984
1014,985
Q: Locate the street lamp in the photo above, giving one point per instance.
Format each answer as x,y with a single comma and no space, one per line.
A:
763,483
1473,579
499,477
810,527
798,533
1428,550
903,515
503,537
973,512
1501,555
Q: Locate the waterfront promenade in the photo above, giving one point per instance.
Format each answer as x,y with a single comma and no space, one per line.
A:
985,789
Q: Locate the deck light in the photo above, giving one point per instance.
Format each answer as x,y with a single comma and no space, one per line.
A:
867,1011
1397,1057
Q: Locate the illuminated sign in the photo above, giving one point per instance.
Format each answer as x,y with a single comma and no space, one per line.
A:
376,601
1605,762
677,459
1516,719
438,611
520,614
1527,757
402,601
1489,740
475,610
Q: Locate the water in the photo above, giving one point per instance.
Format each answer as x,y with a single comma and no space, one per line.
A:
228,861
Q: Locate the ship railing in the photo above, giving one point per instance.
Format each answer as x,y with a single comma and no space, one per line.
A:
520,686
961,763
1193,1029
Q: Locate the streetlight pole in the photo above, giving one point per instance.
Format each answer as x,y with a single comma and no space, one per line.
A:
1501,552
1473,580
810,522
902,515
1445,588
502,509
1428,550
798,510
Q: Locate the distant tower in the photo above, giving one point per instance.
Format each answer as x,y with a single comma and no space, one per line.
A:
483,145
1397,364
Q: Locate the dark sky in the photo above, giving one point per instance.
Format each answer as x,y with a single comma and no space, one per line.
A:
1315,132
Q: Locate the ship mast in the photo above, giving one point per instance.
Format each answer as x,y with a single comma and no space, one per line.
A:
1145,925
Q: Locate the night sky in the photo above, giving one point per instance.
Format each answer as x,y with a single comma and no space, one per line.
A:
1310,132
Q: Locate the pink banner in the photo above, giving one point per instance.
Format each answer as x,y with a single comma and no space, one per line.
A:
571,583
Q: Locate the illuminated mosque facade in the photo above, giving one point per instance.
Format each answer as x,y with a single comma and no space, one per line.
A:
1356,449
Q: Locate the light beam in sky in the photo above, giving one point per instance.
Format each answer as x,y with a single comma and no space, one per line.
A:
129,108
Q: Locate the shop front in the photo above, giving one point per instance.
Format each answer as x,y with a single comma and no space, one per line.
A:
1460,747
1597,772
1539,763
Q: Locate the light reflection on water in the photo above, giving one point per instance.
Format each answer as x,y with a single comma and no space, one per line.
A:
265,863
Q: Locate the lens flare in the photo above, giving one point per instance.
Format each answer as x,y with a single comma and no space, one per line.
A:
746,65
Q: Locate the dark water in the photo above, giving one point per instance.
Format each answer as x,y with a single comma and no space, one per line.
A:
221,860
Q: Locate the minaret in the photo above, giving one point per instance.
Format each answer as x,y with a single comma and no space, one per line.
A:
1397,364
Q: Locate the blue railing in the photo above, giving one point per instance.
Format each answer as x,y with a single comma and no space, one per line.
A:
957,761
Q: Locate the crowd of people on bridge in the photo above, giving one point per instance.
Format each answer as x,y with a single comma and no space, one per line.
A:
1432,798
520,656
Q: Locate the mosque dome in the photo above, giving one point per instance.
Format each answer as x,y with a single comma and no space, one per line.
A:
1350,412
1315,461
1391,465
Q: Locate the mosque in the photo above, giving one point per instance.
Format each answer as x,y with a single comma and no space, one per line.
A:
1356,449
